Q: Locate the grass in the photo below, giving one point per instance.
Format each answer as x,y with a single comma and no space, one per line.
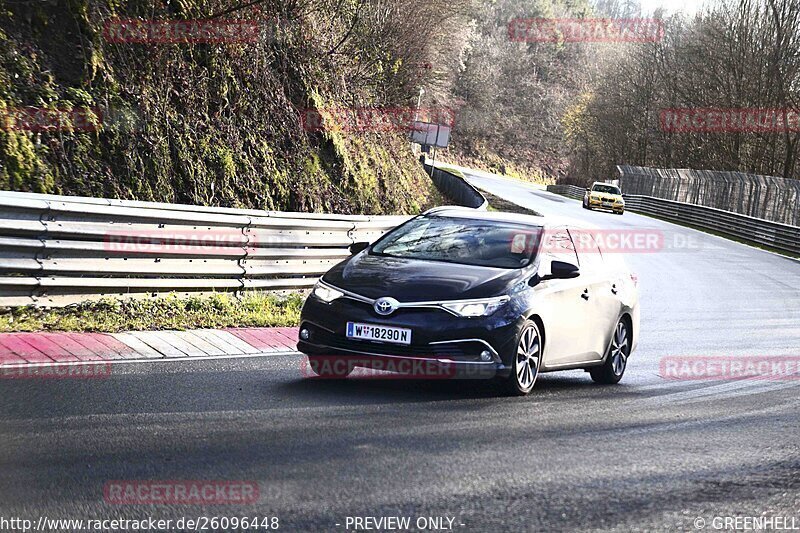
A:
493,163
498,204
451,170
251,309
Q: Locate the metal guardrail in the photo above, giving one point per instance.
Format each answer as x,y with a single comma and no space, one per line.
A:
570,191
763,197
754,230
775,235
457,188
57,250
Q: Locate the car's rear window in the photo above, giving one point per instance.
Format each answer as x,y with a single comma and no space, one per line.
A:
463,241
608,189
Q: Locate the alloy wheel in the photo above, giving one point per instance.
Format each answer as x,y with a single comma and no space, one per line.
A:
619,349
527,359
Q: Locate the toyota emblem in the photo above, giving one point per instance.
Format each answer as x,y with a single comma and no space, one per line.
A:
385,306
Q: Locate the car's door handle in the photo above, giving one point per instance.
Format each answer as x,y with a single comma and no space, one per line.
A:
585,295
614,289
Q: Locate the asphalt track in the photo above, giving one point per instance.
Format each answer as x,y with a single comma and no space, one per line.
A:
648,454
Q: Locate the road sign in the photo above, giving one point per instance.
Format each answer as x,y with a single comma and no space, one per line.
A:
426,133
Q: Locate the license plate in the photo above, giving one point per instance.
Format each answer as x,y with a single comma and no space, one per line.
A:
372,332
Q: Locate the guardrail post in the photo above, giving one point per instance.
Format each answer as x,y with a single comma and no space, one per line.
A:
246,232
38,291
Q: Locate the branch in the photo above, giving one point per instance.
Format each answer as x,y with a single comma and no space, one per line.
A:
349,31
230,10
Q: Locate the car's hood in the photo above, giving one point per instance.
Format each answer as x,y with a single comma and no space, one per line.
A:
413,280
606,196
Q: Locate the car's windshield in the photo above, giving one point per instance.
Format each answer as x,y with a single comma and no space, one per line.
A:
608,189
464,241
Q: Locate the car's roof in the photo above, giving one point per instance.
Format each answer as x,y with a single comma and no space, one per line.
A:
602,183
503,216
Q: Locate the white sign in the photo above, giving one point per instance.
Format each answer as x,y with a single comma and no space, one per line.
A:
425,133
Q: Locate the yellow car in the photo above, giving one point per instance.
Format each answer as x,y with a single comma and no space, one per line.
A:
604,196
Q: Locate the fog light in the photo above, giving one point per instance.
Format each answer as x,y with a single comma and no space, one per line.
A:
486,356
304,334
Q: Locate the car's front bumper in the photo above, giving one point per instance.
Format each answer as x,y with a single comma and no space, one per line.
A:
412,367
598,204
439,339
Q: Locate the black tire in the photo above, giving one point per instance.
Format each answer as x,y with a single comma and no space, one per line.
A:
586,205
329,367
619,350
528,348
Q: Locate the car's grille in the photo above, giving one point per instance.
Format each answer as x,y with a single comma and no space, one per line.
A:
464,351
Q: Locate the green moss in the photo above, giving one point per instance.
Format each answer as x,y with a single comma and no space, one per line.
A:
216,125
22,169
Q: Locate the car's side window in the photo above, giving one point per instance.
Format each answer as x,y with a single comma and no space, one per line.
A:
589,253
557,245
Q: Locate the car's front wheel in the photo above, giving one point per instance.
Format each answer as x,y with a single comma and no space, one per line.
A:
617,358
586,204
526,361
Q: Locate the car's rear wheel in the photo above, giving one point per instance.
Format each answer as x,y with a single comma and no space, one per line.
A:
526,361
330,367
617,358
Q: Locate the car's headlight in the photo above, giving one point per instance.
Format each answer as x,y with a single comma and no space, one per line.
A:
475,308
326,293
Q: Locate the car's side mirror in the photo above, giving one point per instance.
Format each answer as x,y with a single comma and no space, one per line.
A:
562,270
357,247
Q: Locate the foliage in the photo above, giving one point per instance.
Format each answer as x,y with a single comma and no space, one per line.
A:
513,94
211,123
220,124
732,55
573,111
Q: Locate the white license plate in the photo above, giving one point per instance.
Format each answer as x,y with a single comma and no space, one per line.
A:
371,332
